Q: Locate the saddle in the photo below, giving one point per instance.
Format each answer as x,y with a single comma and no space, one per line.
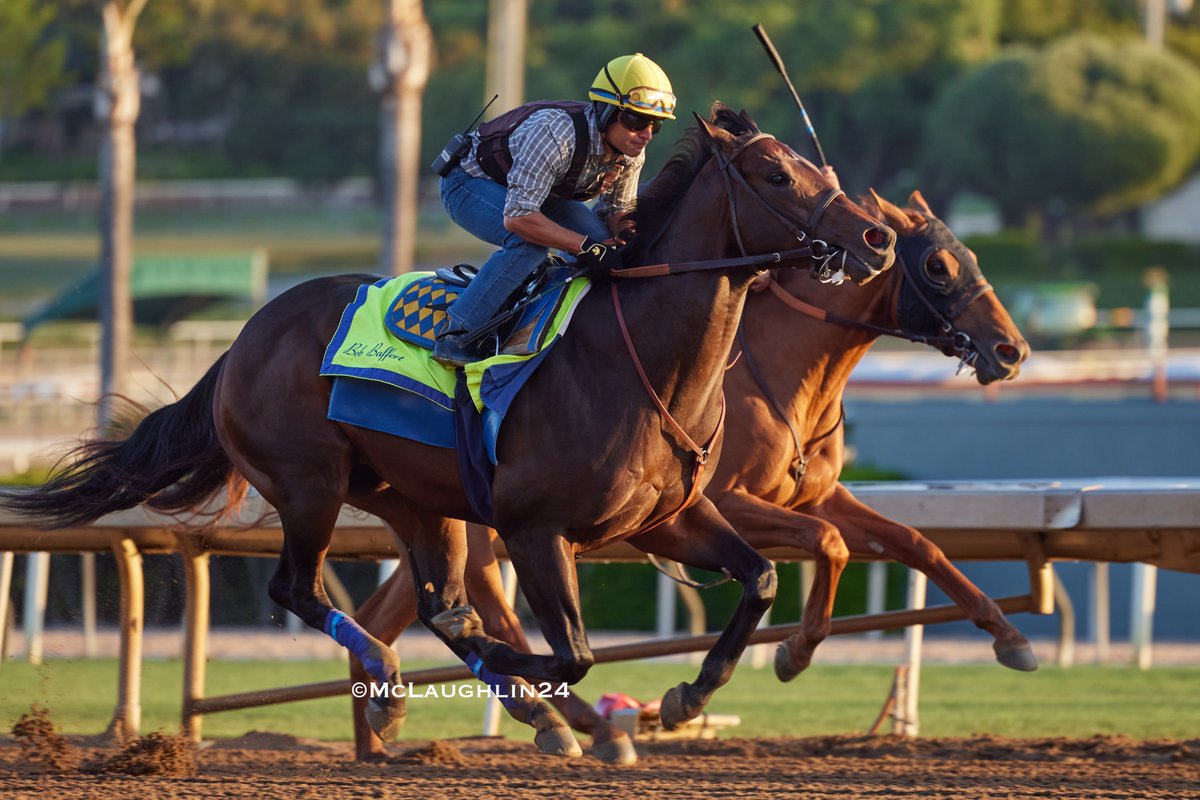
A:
520,328
459,275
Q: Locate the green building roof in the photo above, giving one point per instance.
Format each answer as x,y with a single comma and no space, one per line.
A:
166,289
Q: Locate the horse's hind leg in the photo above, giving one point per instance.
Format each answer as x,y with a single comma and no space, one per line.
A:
308,522
764,525
868,531
384,615
485,590
702,538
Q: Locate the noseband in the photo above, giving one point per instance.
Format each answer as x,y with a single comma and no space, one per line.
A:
823,254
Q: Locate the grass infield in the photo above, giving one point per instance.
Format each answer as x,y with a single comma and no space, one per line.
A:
955,700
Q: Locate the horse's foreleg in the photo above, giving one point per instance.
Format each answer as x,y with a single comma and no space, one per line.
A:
486,592
702,538
867,531
438,557
545,564
764,525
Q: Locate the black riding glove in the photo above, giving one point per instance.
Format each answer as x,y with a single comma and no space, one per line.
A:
595,259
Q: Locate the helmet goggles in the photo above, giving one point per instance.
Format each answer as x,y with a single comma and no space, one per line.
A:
649,99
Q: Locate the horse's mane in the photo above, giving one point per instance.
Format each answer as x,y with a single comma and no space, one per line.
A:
659,200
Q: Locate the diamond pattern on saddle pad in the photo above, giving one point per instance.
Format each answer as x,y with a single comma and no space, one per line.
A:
419,313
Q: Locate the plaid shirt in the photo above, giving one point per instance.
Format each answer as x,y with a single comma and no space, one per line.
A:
542,147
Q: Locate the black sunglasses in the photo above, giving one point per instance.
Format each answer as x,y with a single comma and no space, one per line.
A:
637,122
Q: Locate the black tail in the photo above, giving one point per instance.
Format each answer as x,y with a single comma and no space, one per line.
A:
171,461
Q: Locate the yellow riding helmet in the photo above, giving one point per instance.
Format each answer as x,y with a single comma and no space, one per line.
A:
637,84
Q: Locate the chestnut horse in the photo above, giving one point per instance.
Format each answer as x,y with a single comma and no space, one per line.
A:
594,450
777,480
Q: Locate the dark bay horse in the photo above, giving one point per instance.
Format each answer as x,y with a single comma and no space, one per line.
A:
587,456
777,480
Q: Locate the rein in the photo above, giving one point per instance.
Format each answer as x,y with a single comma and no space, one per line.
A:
681,267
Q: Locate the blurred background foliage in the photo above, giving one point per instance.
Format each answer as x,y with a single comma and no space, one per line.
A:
994,97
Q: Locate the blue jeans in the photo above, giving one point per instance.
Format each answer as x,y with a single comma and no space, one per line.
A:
477,205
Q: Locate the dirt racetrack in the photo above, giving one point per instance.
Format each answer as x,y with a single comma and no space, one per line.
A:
266,766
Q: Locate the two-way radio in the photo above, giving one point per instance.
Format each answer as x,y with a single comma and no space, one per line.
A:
458,146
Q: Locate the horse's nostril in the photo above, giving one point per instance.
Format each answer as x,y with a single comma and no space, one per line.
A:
1008,353
875,237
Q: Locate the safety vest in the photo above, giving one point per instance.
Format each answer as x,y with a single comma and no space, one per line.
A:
495,159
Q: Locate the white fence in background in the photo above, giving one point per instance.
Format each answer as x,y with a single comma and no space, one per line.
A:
48,392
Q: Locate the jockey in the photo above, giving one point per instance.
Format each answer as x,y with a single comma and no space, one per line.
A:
523,181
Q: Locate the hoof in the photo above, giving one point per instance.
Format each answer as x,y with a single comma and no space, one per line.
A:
458,622
558,742
618,750
553,737
386,715
1018,656
675,710
785,670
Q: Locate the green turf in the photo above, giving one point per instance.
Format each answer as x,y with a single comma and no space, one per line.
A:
955,700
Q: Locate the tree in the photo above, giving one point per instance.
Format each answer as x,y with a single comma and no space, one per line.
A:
289,79
400,74
1086,126
117,103
31,62
866,69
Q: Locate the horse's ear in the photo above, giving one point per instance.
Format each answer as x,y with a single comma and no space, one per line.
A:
869,205
899,219
916,201
718,136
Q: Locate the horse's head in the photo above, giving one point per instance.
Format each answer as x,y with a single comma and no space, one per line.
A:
943,292
780,200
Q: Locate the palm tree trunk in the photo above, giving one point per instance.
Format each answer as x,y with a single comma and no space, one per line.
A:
118,101
400,74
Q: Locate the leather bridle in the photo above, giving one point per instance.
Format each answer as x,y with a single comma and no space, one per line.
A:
822,254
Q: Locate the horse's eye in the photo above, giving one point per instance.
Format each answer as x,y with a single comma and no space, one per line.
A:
936,266
777,178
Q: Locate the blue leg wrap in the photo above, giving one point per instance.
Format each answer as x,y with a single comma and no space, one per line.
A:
350,635
502,684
